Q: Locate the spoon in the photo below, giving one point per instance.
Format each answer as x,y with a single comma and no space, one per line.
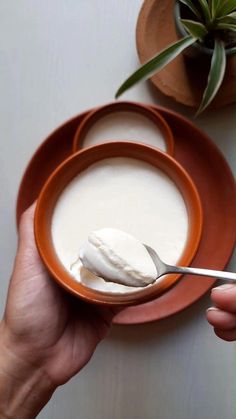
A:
163,269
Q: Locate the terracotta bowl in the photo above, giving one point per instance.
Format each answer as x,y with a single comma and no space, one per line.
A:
75,165
133,107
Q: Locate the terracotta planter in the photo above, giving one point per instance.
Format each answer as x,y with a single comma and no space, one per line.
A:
181,79
197,50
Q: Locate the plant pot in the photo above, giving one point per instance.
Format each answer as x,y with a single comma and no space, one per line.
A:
181,79
197,50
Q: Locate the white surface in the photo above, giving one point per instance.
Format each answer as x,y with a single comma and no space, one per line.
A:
58,58
103,190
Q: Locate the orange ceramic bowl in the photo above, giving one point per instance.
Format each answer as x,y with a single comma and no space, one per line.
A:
75,165
132,107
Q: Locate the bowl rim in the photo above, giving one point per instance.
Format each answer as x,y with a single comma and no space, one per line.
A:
123,106
93,154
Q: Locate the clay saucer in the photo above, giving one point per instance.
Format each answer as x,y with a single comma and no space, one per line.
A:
181,79
216,186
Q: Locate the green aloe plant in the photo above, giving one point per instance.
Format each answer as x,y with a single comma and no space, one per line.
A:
212,22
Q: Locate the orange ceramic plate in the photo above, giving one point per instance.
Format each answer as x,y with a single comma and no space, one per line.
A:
215,183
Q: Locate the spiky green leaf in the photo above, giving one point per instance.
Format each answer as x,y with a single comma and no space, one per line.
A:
227,26
230,19
232,15
192,7
216,75
196,29
214,4
225,7
205,10
156,63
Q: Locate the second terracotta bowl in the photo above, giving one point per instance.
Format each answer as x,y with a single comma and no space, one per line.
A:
117,108
77,164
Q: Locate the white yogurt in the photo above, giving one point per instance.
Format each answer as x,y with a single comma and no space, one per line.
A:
121,193
125,126
118,257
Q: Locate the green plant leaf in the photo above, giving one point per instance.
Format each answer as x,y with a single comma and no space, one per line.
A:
156,63
216,75
227,26
232,15
196,29
192,7
205,10
225,7
214,4
230,18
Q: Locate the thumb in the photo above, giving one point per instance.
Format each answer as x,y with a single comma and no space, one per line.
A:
27,258
26,229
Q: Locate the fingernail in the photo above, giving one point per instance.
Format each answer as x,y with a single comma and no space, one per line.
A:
224,287
212,309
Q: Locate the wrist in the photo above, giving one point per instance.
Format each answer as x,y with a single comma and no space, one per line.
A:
24,388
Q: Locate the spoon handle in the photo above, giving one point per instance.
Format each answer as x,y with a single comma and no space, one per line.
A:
228,276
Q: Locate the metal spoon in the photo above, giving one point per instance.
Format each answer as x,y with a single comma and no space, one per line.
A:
163,269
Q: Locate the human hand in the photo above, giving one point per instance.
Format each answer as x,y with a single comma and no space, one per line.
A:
223,315
45,331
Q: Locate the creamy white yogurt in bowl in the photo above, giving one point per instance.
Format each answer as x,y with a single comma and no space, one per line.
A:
121,185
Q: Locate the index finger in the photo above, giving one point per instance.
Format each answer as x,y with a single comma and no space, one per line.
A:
224,297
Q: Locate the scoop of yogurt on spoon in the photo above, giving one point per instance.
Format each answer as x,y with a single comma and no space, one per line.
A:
118,257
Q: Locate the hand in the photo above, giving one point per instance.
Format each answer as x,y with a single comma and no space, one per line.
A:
44,328
223,315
